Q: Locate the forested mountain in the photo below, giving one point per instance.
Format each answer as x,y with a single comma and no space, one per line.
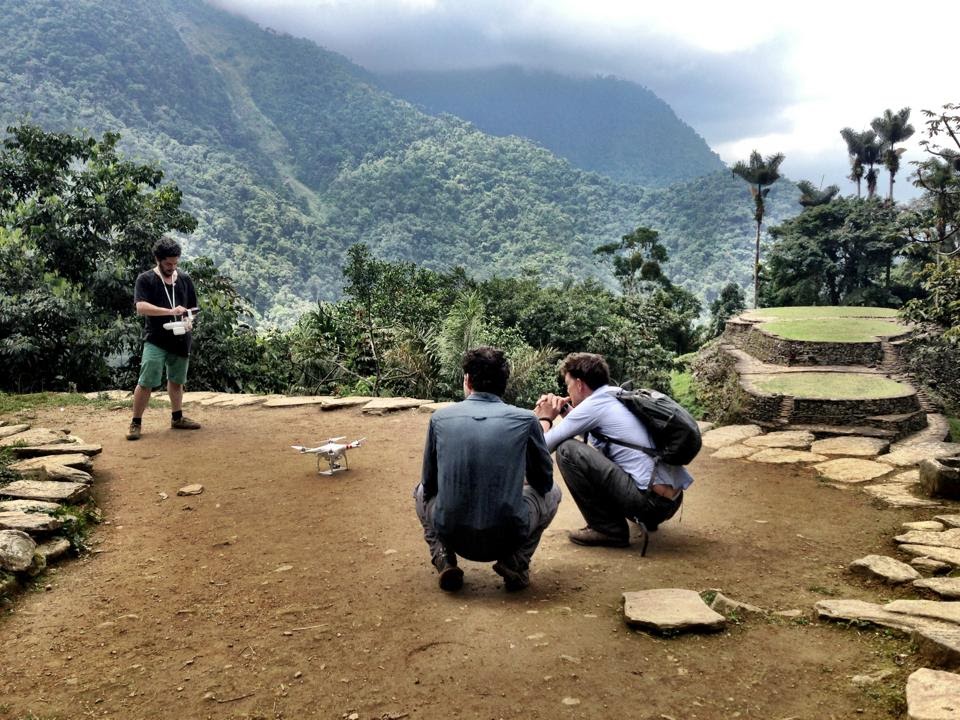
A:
605,124
287,154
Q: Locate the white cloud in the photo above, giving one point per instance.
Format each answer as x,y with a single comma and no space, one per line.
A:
746,75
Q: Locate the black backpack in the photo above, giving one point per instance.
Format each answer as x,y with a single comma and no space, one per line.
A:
675,434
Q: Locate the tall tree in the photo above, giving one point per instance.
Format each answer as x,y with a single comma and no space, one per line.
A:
857,143
892,128
811,196
760,173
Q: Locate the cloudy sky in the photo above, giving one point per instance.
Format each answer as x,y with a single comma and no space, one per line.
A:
771,76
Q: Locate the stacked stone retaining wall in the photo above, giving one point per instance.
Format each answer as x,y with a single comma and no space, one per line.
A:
779,351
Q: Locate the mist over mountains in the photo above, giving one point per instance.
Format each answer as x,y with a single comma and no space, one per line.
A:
287,153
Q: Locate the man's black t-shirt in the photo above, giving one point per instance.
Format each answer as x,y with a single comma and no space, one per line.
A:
151,288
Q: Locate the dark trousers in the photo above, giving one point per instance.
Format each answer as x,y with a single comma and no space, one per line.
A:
606,495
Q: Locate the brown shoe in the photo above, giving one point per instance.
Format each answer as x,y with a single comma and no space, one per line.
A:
184,423
133,432
589,536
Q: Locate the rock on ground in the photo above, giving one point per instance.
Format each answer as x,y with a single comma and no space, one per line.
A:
940,478
346,402
928,525
669,610
298,400
948,611
885,568
53,548
797,439
853,445
45,490
947,587
194,489
783,456
732,452
948,520
725,606
898,495
29,522
16,550
379,406
933,695
28,506
943,554
913,454
851,470
945,538
729,434
931,566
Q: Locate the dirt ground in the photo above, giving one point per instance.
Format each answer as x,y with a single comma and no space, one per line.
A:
278,593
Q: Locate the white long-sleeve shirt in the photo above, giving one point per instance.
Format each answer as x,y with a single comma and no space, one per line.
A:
601,411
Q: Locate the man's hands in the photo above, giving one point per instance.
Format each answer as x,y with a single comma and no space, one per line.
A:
549,406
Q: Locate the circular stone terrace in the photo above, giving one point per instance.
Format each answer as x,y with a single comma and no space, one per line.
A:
833,366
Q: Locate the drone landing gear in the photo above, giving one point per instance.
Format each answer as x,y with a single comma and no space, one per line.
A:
334,464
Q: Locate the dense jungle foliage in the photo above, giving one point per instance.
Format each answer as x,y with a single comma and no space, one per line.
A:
287,155
610,126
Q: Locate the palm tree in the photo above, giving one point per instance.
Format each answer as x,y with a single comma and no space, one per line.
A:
811,196
760,173
863,150
893,128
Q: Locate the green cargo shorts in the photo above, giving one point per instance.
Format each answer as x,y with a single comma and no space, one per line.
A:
154,360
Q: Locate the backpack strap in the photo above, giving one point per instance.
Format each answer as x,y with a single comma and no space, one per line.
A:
652,452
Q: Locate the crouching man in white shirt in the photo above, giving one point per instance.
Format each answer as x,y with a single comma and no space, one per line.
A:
610,483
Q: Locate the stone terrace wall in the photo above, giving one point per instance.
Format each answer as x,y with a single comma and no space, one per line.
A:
850,412
776,350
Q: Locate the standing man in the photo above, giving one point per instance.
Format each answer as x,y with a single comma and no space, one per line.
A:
610,483
472,499
164,294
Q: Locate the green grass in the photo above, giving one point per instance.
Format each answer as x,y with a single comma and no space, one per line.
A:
681,390
819,311
838,330
837,386
10,403
954,429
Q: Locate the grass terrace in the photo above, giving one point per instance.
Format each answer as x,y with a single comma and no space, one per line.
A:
831,386
846,324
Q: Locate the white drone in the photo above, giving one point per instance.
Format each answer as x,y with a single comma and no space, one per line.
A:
333,450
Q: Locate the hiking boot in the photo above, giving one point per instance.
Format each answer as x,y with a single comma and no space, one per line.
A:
589,536
513,578
451,577
184,423
133,432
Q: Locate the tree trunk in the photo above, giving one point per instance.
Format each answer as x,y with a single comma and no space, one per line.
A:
756,271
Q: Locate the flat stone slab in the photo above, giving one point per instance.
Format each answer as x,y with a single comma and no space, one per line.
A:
45,490
16,550
432,407
796,439
946,587
297,401
933,695
729,434
346,402
907,477
67,448
705,426
216,399
34,506
898,495
945,538
63,473
53,548
195,489
913,454
35,436
783,456
727,606
949,520
936,640
8,430
29,522
733,452
851,470
885,568
853,445
236,400
928,525
948,611
37,466
380,406
109,395
935,552
670,610
931,566
192,397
